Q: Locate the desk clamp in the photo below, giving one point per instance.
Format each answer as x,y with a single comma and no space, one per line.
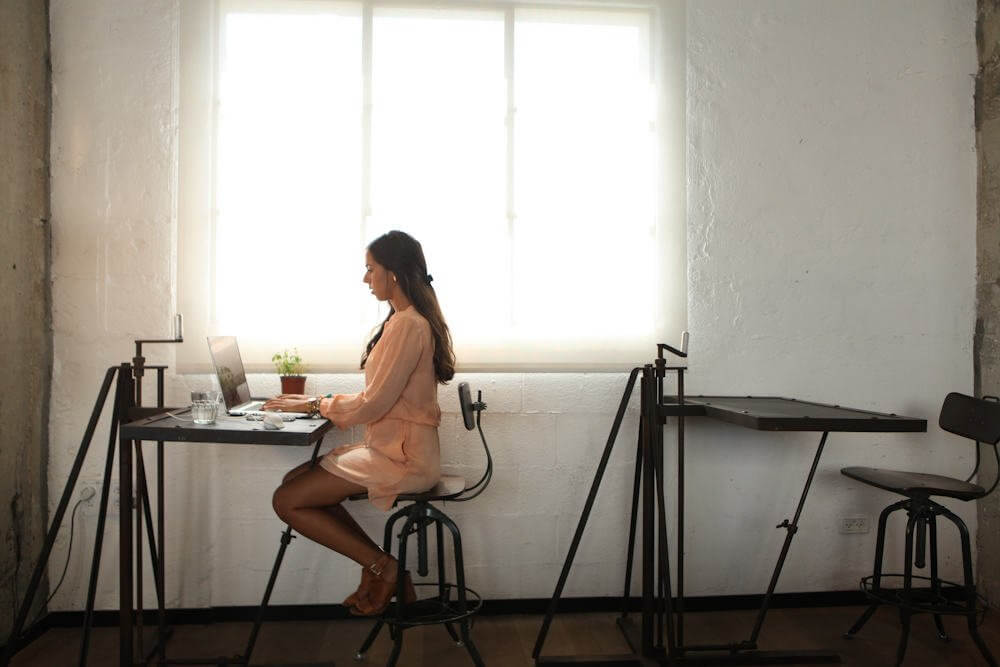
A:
661,363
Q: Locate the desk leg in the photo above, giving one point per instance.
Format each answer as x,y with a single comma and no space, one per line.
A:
791,528
95,563
648,514
125,617
665,607
161,542
743,653
286,539
161,536
144,518
680,509
140,507
582,523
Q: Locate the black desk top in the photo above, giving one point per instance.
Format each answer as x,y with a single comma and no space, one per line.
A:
773,413
226,429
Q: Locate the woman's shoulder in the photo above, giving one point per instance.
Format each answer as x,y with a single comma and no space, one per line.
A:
410,320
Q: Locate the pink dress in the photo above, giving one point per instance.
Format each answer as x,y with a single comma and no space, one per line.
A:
400,452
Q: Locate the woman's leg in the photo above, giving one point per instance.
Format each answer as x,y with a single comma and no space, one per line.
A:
296,471
338,511
305,502
339,532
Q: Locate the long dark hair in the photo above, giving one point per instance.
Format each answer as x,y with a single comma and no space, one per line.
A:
402,254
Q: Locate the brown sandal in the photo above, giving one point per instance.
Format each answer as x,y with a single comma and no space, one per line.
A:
380,591
362,591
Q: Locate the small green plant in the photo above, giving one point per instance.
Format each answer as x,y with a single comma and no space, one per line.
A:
288,363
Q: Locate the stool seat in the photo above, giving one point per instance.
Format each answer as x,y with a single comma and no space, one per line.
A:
915,483
447,486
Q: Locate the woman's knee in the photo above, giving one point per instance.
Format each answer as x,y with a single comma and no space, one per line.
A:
282,502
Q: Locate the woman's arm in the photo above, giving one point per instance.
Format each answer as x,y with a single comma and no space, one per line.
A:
400,347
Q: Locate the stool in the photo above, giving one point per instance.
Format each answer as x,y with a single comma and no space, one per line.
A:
976,419
451,603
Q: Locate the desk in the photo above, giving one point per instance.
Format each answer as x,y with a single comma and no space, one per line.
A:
660,609
772,413
164,428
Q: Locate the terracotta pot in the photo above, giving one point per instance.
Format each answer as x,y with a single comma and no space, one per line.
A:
293,384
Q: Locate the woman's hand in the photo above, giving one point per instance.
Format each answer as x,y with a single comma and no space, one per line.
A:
288,403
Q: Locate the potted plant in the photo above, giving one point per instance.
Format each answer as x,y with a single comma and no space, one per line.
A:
290,367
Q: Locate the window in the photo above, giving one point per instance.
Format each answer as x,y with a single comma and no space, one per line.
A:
520,145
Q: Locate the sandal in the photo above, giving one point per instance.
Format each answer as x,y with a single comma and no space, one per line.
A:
362,591
380,591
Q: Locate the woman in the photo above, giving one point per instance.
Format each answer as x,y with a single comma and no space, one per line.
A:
409,354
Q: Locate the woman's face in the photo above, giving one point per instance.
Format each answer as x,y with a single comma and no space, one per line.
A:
378,278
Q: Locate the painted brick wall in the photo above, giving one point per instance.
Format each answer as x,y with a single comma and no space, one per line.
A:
831,236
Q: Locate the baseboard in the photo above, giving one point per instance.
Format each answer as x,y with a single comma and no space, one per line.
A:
313,612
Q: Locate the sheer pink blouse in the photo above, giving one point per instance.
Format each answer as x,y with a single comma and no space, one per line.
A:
400,452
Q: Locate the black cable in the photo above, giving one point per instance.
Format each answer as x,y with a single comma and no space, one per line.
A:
69,553
69,549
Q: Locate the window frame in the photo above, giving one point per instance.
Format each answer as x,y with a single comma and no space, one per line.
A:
197,212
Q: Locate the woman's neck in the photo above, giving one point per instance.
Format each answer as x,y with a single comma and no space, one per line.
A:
399,302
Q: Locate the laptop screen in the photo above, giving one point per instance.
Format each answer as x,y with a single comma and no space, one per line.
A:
229,369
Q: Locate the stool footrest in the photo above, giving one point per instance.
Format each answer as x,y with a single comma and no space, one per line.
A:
949,599
433,610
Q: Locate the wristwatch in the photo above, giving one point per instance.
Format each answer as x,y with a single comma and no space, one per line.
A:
313,404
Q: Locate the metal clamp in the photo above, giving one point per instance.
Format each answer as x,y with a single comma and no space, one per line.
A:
791,529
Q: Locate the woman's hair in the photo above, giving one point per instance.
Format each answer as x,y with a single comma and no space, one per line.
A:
401,254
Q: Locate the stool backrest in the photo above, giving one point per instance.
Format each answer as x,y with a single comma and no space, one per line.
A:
471,413
973,418
465,401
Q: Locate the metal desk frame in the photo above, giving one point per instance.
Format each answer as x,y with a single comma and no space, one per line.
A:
164,428
661,610
151,424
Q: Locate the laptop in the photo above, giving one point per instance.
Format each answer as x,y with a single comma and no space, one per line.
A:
233,379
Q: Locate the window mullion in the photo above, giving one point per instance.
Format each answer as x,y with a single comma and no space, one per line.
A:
219,41
511,111
366,119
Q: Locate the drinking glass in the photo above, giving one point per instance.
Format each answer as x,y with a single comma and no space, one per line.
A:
204,406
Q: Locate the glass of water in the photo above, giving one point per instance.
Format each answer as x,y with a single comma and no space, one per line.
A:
204,406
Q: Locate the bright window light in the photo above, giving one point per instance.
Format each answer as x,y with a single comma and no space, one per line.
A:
584,238
517,145
439,146
288,192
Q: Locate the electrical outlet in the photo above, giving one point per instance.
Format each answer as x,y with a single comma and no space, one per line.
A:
854,524
87,494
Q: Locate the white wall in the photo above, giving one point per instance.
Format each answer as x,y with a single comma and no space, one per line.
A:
831,237
831,257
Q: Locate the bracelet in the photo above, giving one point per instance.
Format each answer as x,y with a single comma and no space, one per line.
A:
313,404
